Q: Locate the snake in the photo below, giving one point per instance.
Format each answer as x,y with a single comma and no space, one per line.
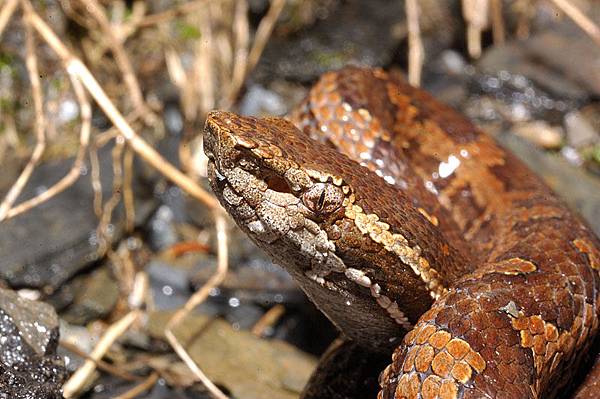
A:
417,235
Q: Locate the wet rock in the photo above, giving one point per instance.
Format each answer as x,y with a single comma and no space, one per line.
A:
516,98
169,283
260,101
352,33
580,131
78,336
162,229
94,297
254,279
109,386
245,365
570,52
562,59
248,288
29,366
49,244
515,59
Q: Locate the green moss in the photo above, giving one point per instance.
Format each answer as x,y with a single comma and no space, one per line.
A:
329,59
596,153
6,61
188,31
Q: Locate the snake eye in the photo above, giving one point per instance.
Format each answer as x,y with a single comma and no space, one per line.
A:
323,198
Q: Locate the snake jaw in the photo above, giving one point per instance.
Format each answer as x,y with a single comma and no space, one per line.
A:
296,199
264,195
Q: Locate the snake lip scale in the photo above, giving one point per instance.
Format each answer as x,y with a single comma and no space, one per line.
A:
415,234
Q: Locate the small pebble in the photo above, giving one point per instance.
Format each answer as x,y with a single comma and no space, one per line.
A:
580,131
540,133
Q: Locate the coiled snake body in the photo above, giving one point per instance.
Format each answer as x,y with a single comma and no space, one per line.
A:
441,237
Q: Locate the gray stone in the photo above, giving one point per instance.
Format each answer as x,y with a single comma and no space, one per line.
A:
50,243
247,366
29,366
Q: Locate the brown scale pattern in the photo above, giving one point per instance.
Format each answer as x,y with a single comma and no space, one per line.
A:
521,307
590,387
530,309
230,138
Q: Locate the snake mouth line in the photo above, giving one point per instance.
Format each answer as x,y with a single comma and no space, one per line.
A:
300,215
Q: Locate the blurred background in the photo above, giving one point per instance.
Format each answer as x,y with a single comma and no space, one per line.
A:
107,227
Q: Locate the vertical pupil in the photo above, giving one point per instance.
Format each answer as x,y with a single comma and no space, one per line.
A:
321,200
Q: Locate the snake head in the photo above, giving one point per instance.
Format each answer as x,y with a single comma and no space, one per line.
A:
269,177
260,169
346,236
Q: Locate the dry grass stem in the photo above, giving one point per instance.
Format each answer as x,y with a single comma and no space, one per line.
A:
202,75
415,45
525,10
40,122
95,179
74,173
101,139
112,333
586,24
498,28
124,269
128,26
128,198
165,16
196,299
120,56
139,291
6,12
189,103
75,67
102,231
241,31
476,14
263,32
102,365
141,388
268,319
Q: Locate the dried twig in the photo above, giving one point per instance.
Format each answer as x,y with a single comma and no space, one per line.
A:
198,298
40,122
75,67
128,199
263,32
120,55
498,29
95,179
268,319
141,388
104,236
415,45
241,30
476,14
75,171
6,12
78,379
139,291
586,24
165,16
101,364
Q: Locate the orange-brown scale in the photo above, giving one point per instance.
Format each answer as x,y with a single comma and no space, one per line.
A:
273,147
537,261
347,96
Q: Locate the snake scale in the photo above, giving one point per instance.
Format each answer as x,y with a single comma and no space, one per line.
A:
417,235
